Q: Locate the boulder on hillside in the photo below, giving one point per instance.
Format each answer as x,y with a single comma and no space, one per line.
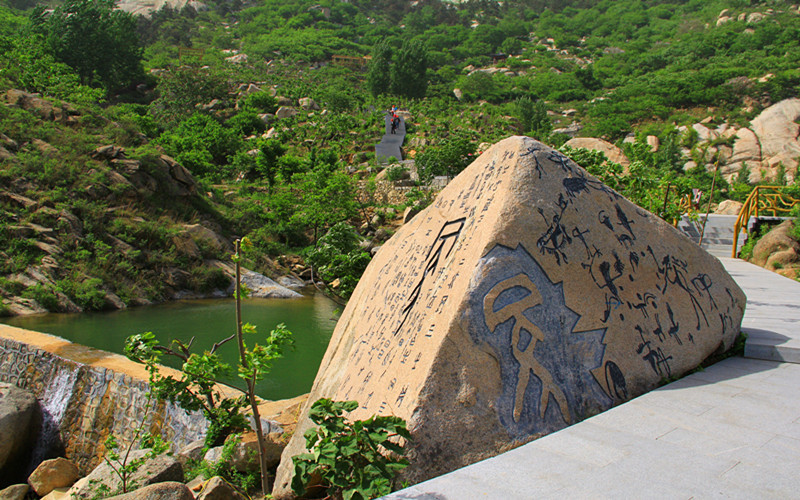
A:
218,489
285,112
527,297
729,207
777,248
308,104
778,133
612,152
34,103
161,468
18,409
14,492
746,153
51,474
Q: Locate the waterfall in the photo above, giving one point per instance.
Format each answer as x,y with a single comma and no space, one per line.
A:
54,400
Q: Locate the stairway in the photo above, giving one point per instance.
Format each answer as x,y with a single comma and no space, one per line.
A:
718,235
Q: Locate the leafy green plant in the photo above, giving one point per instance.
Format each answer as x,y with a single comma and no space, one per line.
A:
353,460
338,255
123,466
223,467
198,387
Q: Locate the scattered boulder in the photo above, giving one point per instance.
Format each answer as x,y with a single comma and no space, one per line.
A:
291,282
237,59
52,474
778,133
612,152
245,454
14,492
17,411
192,451
218,489
527,297
729,207
285,112
261,286
17,199
167,490
308,104
161,468
777,248
109,152
205,236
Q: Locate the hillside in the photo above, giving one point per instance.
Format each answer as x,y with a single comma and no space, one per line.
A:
138,161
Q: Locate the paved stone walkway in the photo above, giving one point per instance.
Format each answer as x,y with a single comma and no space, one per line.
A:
391,143
731,431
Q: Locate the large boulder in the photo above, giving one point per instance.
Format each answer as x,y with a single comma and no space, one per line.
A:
17,412
778,132
527,297
159,469
168,490
612,152
14,492
51,474
218,489
777,249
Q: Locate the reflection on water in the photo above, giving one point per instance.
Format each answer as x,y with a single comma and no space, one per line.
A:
311,319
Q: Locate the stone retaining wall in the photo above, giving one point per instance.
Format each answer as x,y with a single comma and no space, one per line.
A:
87,394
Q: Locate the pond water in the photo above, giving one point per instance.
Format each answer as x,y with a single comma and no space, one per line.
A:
311,320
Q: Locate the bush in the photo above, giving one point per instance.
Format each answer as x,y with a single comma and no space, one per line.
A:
338,256
449,158
259,102
355,460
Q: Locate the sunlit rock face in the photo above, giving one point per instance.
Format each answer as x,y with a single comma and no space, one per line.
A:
527,297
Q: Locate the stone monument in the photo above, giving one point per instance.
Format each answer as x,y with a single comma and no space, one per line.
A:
527,297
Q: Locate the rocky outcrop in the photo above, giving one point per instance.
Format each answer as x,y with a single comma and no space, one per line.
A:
612,152
527,297
259,285
147,7
43,108
17,415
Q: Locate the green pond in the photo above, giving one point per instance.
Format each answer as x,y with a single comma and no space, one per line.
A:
311,320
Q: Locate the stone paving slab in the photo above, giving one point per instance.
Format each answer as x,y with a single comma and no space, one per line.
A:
743,445
391,144
772,318
730,431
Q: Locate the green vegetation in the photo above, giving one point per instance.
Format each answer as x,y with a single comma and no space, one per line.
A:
106,77
201,375
349,460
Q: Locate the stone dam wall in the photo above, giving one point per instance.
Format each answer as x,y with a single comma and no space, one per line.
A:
85,394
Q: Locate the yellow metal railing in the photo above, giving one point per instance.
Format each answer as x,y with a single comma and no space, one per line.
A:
762,200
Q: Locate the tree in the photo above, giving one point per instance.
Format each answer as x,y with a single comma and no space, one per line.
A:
199,386
409,73
95,39
379,77
533,117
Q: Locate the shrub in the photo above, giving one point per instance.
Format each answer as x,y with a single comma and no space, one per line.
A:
354,460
